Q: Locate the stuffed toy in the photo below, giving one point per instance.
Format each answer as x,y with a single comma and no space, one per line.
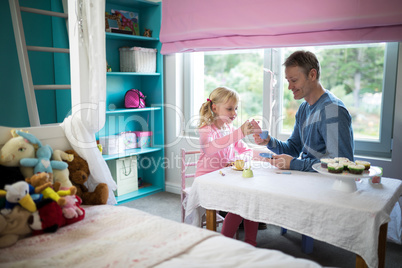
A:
16,149
42,162
70,209
14,226
20,193
79,172
62,175
42,184
49,217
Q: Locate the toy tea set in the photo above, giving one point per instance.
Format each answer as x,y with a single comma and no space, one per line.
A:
239,165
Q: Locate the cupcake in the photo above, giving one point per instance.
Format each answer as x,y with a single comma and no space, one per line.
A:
345,164
356,169
339,159
364,163
335,168
326,161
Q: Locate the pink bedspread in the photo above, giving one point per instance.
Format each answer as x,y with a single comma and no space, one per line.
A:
109,236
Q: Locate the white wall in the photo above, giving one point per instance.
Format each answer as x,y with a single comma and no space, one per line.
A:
174,126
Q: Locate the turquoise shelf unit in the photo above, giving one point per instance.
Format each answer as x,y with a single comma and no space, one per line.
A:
118,118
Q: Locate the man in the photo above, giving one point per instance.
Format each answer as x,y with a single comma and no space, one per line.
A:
323,126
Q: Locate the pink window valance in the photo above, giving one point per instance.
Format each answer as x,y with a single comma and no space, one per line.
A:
205,25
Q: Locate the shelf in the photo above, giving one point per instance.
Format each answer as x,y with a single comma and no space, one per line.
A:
130,152
131,73
123,110
138,194
129,37
134,4
120,119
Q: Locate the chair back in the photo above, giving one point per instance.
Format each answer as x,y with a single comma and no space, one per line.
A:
185,163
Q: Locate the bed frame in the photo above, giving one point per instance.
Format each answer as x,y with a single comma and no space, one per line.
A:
48,134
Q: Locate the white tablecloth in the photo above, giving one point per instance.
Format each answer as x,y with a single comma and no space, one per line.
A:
301,201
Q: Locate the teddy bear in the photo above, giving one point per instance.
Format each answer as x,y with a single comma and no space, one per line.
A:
42,184
14,226
79,173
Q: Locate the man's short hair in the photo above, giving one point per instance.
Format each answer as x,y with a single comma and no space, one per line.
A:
305,60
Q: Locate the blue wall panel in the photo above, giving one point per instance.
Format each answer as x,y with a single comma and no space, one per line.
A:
39,31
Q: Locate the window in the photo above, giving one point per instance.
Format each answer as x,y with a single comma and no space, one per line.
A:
363,76
241,70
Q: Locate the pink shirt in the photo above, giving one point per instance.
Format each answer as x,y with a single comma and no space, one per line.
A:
218,147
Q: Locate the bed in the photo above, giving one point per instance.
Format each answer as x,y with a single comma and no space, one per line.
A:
118,236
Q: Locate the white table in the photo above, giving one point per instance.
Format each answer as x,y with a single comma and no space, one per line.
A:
304,202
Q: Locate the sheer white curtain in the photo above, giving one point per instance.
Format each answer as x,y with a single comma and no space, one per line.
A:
88,87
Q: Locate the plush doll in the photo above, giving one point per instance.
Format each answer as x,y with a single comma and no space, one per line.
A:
79,172
14,226
13,151
49,217
62,175
42,162
42,184
70,209
20,193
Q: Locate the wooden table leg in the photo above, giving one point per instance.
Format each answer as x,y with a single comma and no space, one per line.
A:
382,245
211,219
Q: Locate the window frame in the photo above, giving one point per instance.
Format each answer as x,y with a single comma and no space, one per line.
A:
272,111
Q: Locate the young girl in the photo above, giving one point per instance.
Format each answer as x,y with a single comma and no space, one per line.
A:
218,142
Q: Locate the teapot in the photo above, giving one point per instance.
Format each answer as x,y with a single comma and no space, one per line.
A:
247,173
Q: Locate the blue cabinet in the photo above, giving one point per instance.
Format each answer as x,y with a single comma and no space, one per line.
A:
150,160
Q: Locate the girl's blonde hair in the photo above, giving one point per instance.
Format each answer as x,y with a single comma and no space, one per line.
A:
220,95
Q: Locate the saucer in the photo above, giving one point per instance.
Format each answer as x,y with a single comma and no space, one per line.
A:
234,168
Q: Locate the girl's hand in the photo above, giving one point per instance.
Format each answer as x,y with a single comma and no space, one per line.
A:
247,128
256,126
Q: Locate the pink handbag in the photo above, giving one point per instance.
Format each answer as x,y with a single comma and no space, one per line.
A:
134,99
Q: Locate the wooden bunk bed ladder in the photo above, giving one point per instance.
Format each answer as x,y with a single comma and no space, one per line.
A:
22,49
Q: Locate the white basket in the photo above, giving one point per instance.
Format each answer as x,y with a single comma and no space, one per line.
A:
137,59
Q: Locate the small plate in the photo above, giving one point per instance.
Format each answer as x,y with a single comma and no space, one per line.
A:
266,155
234,168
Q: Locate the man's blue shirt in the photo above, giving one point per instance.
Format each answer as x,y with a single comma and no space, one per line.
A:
322,130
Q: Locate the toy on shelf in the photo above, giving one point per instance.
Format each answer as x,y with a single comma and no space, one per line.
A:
147,32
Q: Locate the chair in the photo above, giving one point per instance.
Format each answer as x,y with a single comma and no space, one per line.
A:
186,190
307,242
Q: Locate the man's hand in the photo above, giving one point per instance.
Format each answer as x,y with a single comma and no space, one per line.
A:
259,141
281,161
